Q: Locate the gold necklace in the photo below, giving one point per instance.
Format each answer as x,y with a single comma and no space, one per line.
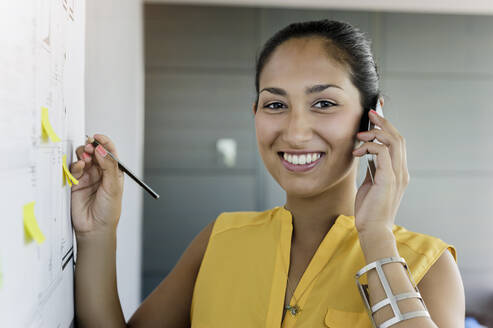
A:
293,309
296,308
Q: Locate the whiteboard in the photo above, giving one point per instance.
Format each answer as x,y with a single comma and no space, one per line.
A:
41,66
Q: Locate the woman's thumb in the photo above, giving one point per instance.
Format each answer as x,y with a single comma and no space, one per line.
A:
106,163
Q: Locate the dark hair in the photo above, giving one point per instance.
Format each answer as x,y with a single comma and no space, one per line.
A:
346,43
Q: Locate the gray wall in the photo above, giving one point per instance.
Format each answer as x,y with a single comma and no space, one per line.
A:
436,78
115,107
195,93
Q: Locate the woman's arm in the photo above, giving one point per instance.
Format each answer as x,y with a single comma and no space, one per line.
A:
96,297
96,208
375,210
441,287
443,282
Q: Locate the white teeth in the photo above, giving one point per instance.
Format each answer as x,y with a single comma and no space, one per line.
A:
301,159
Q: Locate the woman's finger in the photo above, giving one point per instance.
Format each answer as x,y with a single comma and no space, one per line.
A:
400,170
384,124
367,176
406,177
79,152
84,156
107,143
89,148
394,145
77,169
112,176
384,161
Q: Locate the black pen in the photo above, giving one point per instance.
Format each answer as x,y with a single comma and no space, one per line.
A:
124,169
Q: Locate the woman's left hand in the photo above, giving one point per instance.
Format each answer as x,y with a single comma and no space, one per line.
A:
377,204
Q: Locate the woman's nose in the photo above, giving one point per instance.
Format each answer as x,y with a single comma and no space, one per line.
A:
298,128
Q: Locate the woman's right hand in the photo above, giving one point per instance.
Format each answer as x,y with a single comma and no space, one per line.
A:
97,199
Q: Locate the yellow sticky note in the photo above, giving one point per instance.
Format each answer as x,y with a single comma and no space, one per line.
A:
47,129
65,180
67,176
31,225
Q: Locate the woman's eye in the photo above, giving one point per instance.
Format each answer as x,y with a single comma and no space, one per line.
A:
274,107
325,103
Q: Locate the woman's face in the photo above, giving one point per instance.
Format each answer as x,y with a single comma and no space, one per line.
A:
298,114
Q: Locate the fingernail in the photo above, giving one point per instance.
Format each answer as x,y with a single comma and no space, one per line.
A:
373,112
101,150
85,155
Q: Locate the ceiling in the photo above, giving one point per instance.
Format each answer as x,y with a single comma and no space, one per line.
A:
477,7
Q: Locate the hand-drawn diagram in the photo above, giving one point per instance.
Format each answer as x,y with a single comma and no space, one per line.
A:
68,5
41,66
45,21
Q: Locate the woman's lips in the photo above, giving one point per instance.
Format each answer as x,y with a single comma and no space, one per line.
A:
300,167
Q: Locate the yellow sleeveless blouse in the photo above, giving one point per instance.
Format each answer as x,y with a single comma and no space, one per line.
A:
242,279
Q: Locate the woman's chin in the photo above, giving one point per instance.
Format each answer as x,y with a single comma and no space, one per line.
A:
300,190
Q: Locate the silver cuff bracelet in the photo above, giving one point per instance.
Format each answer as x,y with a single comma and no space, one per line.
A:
391,298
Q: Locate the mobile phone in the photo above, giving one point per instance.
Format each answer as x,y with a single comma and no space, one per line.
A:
367,125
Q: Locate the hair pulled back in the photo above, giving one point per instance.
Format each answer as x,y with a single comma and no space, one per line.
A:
345,44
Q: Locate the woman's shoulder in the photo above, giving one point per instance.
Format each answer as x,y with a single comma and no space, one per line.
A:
420,250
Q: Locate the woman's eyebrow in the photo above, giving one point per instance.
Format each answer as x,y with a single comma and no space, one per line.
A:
321,87
308,90
276,91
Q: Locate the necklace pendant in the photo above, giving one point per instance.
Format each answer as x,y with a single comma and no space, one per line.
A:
293,309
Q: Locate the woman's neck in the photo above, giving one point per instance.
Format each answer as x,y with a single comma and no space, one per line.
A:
314,216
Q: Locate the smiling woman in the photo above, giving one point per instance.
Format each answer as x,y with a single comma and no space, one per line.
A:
294,265
316,81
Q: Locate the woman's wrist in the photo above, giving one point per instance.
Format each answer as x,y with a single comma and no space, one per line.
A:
95,237
377,244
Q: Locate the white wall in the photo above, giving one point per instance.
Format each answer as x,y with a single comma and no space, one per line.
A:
115,107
